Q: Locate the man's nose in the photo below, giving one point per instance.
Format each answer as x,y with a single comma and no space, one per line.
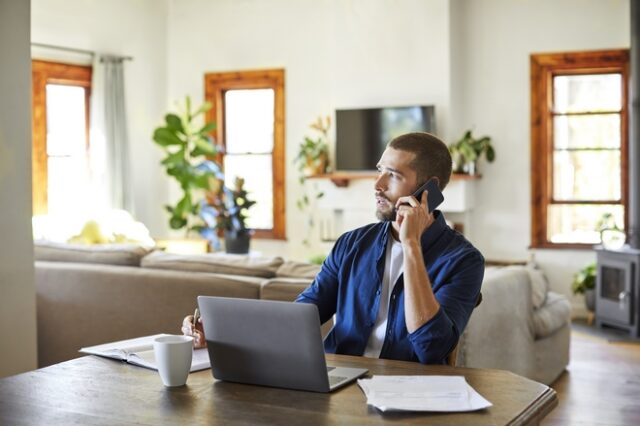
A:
380,183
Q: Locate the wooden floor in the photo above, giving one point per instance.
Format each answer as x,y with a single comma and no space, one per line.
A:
601,385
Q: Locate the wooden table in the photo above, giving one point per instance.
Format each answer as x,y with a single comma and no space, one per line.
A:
93,390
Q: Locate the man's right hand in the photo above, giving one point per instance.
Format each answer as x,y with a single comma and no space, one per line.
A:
197,331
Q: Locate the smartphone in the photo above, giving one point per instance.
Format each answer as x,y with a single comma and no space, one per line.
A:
434,196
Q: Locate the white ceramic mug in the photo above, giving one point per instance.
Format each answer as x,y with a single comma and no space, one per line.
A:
173,356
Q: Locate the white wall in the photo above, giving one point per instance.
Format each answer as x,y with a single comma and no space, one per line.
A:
17,290
337,54
134,28
497,38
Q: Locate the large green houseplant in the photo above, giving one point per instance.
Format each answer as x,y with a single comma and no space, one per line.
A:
190,159
468,150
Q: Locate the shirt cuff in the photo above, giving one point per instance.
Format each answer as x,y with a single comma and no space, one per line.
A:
434,339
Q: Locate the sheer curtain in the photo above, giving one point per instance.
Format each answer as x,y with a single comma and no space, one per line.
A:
109,141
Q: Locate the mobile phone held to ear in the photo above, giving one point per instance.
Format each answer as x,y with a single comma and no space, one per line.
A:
434,196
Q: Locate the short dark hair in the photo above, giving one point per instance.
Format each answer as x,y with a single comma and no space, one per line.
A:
432,157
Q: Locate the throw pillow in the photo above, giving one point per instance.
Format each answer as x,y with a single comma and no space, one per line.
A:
110,254
220,263
293,269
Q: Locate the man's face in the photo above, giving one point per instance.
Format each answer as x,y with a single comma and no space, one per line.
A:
395,179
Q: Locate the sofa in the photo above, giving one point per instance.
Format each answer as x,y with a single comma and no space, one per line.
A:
88,295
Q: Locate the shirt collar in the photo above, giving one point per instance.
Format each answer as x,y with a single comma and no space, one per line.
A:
435,230
427,238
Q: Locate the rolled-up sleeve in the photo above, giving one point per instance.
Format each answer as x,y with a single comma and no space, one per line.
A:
457,297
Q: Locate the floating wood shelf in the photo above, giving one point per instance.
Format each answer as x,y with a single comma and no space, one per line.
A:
342,179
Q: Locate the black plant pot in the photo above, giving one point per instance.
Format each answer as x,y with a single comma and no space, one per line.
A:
237,243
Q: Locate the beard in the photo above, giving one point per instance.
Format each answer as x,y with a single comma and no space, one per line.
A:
385,213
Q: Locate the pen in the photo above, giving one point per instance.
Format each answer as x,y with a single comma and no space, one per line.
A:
196,314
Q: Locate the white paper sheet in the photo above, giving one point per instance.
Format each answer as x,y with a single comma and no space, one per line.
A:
422,393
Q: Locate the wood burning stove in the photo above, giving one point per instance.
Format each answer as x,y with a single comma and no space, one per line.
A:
618,289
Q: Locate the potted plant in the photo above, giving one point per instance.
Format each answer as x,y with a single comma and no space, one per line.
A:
313,154
226,210
584,282
312,159
190,152
467,151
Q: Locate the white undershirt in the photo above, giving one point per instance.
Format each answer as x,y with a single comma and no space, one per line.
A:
392,270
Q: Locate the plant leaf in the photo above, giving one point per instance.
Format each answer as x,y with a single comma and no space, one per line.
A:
207,128
165,137
173,122
491,154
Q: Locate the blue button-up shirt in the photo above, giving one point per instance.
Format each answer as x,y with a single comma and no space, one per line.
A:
350,282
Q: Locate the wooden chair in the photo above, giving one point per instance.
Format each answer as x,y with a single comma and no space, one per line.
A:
453,355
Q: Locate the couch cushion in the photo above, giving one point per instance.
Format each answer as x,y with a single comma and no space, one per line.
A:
551,316
220,263
539,283
111,254
293,269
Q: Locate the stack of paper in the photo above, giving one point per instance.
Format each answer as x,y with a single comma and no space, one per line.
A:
422,393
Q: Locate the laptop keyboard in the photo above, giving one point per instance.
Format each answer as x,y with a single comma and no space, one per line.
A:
334,380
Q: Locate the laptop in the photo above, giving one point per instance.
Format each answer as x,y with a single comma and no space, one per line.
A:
269,343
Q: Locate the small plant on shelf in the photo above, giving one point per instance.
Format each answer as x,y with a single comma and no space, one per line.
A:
312,159
468,150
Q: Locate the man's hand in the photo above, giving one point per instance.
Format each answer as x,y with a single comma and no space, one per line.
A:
197,331
413,217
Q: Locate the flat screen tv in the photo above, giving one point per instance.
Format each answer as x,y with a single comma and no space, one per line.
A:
362,134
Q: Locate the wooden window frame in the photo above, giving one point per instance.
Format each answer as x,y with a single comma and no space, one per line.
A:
43,73
543,68
216,84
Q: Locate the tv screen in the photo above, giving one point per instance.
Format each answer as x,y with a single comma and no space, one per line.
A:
363,134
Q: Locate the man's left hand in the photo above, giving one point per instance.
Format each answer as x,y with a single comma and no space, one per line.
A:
413,217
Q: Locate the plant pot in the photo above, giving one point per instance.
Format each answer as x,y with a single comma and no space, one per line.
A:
590,299
237,243
315,166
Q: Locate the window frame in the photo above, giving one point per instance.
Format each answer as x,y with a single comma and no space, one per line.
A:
544,67
216,84
43,73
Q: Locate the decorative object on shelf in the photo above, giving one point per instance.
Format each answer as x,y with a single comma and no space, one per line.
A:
611,235
584,282
226,210
312,160
468,150
190,152
313,155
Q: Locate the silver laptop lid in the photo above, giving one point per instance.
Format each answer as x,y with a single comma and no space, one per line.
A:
265,342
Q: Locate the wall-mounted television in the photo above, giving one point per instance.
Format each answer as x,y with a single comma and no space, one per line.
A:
362,134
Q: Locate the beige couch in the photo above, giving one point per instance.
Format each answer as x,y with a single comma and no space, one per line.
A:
88,296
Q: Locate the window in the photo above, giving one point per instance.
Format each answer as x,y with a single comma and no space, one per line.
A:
578,145
60,136
248,108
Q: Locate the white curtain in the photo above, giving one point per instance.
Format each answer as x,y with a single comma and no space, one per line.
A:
109,141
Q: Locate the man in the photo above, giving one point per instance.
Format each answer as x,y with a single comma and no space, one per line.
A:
403,288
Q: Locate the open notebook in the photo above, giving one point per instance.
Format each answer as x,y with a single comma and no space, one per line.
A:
139,351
